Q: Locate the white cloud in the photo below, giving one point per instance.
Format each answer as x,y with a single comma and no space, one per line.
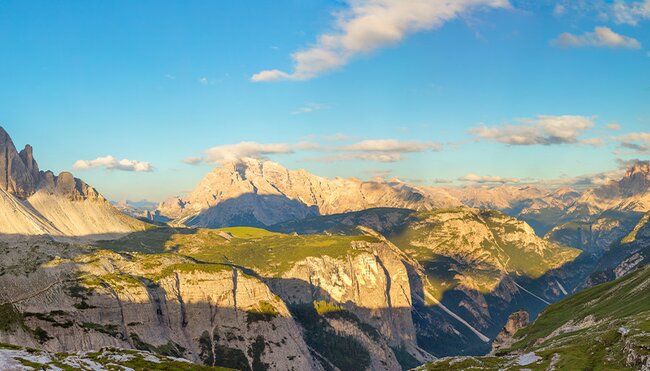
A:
637,142
613,126
559,9
377,150
474,178
193,160
271,75
306,145
596,142
544,130
392,145
600,37
368,25
372,157
111,163
631,13
236,152
309,108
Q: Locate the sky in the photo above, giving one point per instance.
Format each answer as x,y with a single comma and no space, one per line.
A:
142,99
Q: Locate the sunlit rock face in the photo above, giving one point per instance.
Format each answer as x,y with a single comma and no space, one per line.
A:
74,300
34,202
258,193
629,194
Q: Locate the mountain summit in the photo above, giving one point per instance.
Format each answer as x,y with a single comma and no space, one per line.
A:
630,194
257,192
19,174
35,202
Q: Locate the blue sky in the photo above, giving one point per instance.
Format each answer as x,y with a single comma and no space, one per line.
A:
488,92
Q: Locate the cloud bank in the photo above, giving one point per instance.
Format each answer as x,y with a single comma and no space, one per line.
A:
369,25
235,152
474,178
544,130
111,163
376,150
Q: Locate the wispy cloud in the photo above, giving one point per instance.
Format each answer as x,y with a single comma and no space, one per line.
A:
208,81
376,150
637,142
369,25
236,152
592,179
613,126
111,163
309,108
474,178
372,157
631,13
545,130
338,137
392,145
600,37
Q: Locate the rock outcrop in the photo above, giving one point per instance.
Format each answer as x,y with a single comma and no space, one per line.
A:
19,174
516,322
34,202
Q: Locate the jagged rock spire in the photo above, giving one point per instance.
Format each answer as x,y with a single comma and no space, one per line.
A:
19,173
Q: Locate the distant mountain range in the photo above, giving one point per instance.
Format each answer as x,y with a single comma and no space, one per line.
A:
263,193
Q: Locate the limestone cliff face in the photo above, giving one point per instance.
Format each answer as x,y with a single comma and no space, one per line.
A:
19,174
64,299
34,202
374,286
99,301
254,192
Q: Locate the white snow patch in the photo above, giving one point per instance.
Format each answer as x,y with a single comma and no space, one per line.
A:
528,358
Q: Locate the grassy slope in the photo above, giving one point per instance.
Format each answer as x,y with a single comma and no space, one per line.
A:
593,322
266,253
426,240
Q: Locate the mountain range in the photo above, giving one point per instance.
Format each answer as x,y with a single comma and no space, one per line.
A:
261,267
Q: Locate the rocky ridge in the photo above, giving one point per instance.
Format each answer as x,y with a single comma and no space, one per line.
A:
35,202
